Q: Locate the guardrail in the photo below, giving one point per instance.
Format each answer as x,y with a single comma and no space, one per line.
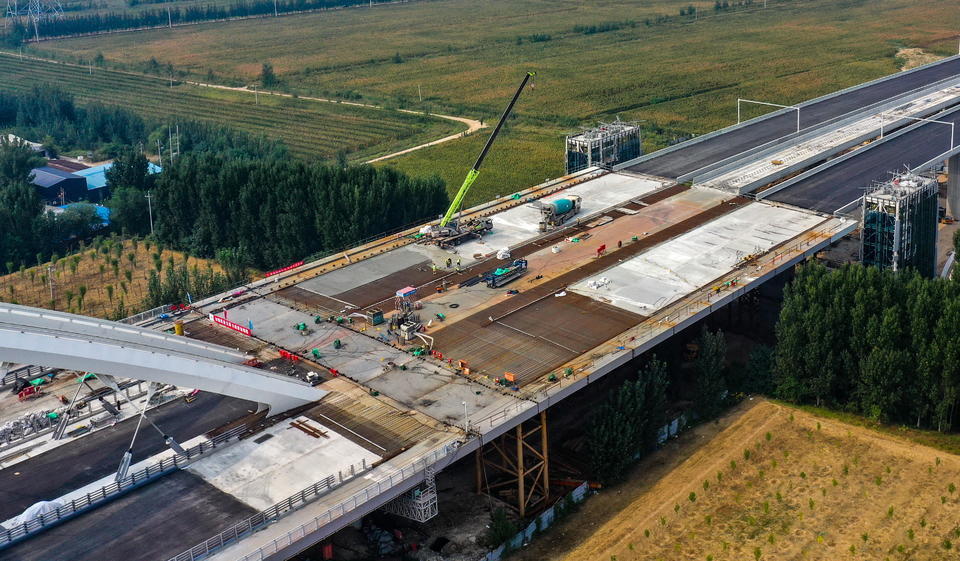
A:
343,507
28,372
264,517
111,491
152,313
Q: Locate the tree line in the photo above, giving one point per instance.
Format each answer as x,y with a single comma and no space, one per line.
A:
171,15
278,210
228,195
28,233
875,342
49,115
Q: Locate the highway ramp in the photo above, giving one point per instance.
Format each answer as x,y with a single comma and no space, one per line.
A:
836,184
77,463
699,153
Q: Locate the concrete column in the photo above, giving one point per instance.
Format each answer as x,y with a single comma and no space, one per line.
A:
953,186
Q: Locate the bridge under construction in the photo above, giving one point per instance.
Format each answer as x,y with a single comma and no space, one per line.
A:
354,379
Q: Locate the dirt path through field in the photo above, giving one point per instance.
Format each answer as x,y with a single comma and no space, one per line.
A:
813,489
473,125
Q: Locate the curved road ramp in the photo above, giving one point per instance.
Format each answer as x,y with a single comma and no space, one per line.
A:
61,340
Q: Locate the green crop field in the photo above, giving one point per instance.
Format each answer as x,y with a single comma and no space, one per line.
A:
310,129
523,156
679,76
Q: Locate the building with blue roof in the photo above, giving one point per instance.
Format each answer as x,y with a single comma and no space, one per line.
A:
86,184
102,212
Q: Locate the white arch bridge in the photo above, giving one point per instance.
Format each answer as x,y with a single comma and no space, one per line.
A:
60,340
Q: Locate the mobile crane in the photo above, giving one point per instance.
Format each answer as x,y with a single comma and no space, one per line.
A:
452,231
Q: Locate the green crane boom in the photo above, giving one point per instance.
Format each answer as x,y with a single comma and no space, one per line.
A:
475,170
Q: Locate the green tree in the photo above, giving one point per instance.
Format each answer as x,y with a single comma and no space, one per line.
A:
267,76
709,366
501,528
130,169
17,159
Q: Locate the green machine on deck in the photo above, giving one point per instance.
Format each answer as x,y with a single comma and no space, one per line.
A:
451,231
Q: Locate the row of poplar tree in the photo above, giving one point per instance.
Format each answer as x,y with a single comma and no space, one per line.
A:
99,22
876,342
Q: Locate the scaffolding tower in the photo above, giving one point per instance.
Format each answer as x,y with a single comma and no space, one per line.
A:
604,145
420,503
900,224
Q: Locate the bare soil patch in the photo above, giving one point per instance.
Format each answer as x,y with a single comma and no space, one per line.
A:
914,57
815,489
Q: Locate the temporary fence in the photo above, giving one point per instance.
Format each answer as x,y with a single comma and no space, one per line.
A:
28,372
538,524
111,491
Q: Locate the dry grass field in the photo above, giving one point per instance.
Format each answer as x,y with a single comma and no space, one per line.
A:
93,273
776,483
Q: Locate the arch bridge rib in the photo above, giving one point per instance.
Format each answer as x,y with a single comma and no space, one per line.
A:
61,340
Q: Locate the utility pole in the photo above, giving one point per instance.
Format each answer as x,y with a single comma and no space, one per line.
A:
256,94
419,93
150,210
169,18
275,12
50,279
160,152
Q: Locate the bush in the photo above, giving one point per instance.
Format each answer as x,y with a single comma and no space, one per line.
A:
501,528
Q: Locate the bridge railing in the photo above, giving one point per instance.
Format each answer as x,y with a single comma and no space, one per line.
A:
342,508
108,492
264,517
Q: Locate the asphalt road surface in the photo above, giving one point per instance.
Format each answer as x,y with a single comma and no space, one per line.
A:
700,154
86,459
845,182
153,523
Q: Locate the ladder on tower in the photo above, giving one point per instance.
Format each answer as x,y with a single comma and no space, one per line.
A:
418,504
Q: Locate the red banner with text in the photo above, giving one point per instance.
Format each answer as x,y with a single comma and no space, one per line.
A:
230,325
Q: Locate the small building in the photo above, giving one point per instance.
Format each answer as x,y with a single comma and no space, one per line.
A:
58,186
900,224
35,146
97,189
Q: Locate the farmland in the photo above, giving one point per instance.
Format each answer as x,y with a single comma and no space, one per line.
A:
777,483
680,76
310,129
103,285
469,55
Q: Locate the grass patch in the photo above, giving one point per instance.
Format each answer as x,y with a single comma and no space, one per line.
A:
948,442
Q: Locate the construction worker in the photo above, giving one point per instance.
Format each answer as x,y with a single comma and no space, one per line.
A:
433,267
449,262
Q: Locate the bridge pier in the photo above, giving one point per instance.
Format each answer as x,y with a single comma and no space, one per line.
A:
516,465
953,186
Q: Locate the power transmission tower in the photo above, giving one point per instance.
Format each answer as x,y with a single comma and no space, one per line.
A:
35,11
